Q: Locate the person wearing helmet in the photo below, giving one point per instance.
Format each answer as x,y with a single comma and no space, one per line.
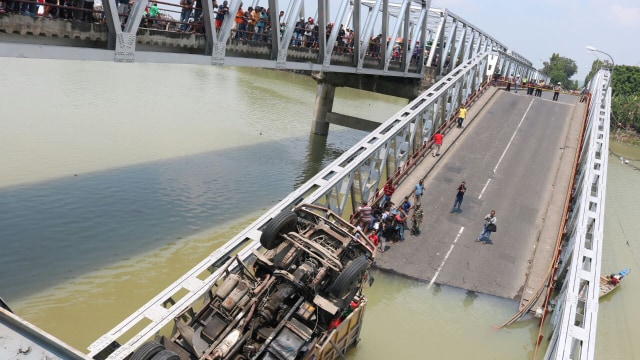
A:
308,33
556,91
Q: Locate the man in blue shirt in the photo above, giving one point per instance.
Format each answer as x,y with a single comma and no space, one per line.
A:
419,190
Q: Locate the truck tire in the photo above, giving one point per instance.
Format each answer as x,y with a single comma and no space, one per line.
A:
284,222
349,277
166,355
147,351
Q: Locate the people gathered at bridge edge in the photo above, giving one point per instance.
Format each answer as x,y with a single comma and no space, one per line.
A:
250,25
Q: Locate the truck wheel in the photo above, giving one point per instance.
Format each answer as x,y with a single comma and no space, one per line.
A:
284,222
166,355
349,277
147,351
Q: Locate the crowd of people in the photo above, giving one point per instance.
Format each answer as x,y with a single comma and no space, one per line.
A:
252,24
78,10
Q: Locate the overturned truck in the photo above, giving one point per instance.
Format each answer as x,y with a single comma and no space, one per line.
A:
300,299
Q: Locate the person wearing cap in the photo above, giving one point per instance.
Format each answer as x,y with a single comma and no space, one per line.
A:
298,32
556,91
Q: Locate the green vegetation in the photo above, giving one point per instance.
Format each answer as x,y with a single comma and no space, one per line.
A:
560,69
625,99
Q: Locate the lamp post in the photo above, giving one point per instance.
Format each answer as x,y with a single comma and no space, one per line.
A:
613,63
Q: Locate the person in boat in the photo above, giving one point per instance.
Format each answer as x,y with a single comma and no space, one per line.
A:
614,279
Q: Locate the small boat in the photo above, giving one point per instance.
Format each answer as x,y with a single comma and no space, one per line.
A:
611,282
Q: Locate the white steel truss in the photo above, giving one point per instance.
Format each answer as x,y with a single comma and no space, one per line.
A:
575,317
414,22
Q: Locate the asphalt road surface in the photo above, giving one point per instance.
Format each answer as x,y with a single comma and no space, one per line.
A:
508,156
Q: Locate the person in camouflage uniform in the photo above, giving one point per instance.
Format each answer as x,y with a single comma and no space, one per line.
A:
416,219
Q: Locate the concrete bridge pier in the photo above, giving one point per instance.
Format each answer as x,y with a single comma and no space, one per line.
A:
323,114
322,107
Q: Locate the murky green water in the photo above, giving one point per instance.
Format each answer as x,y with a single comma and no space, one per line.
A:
118,178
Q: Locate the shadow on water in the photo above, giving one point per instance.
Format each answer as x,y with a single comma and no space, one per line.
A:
320,153
57,230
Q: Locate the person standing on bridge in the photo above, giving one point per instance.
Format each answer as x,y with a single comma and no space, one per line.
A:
462,188
539,88
223,10
462,115
437,138
556,91
388,190
419,190
187,7
416,220
489,227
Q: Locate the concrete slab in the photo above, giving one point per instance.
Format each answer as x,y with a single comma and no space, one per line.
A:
511,153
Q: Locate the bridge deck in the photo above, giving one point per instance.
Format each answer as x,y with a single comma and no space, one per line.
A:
524,139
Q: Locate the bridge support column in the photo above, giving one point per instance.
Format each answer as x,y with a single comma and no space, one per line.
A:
323,106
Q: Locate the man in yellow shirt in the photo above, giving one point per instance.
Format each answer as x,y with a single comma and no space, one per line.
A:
461,115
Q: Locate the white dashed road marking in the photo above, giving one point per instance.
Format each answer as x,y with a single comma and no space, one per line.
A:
446,257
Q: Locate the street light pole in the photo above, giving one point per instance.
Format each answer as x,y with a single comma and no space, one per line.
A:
613,63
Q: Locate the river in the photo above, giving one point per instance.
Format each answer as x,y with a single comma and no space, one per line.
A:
117,178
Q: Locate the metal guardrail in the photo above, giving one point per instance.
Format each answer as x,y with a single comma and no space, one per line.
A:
575,317
356,175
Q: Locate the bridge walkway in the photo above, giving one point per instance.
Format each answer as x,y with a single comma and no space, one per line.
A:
521,168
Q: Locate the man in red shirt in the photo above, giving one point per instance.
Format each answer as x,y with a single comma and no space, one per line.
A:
388,190
438,143
373,237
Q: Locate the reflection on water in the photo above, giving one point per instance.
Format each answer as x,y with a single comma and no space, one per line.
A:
111,215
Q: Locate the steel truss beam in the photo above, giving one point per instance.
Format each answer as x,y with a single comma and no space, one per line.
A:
575,317
453,37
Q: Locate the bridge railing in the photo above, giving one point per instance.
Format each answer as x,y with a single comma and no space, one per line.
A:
574,318
433,38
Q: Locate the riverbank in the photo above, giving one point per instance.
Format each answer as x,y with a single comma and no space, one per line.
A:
625,137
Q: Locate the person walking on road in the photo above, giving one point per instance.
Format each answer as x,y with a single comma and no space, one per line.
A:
461,115
437,138
419,190
556,91
459,196
488,228
416,220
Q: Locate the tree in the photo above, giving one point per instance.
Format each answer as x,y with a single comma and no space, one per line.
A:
625,94
560,69
626,111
